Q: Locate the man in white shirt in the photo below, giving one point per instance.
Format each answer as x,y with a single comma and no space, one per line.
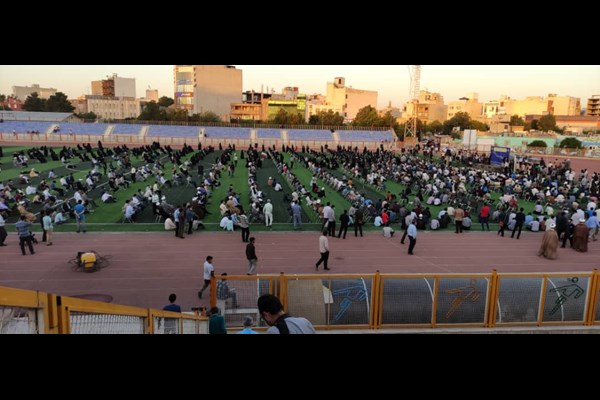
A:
268,211
209,272
324,250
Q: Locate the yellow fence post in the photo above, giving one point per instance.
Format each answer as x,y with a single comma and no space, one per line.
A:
436,286
64,325
373,320
540,320
52,311
283,291
492,300
593,298
150,323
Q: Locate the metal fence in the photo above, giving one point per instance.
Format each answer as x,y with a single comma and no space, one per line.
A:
369,301
379,301
25,311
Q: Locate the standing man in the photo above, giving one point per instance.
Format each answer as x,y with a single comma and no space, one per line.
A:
549,245
297,215
268,211
209,272
331,225
48,227
251,257
344,222
412,236
484,216
24,234
459,215
324,250
244,224
358,224
519,219
79,211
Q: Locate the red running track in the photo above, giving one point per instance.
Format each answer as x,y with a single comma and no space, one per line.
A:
146,267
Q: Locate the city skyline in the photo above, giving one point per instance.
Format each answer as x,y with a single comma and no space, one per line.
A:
390,81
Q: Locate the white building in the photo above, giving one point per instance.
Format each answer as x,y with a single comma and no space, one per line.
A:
348,99
201,88
107,107
21,92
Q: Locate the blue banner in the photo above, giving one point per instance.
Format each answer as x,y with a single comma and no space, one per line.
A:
498,155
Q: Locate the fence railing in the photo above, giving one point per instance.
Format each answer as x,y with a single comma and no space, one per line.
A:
138,140
25,311
344,301
379,301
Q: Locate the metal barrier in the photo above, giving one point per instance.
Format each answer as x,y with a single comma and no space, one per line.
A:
346,301
25,311
380,301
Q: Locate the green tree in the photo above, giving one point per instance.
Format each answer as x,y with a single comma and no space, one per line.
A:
547,123
58,103
460,120
34,103
326,118
88,116
515,120
177,115
296,119
165,101
537,143
152,112
367,116
207,116
571,143
2,97
455,134
435,127
480,126
387,119
281,117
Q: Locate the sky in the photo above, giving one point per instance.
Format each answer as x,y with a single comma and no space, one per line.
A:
391,81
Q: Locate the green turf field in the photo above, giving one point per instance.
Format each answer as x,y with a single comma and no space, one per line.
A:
108,217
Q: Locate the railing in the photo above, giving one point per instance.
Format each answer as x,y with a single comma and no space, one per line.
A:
345,301
381,301
25,311
114,140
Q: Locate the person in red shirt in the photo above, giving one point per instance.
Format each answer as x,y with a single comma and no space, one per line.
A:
484,216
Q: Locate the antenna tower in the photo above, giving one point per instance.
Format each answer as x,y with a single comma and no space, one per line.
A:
410,128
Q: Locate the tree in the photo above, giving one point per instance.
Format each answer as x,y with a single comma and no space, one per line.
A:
177,115
480,126
537,143
435,127
2,98
165,101
367,116
281,117
326,118
571,143
34,103
88,116
207,116
152,112
58,103
460,120
515,120
547,123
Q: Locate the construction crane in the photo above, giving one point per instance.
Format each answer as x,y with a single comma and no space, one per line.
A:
410,127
